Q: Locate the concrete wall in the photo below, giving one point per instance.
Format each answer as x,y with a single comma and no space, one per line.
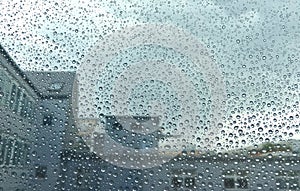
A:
208,173
52,117
17,128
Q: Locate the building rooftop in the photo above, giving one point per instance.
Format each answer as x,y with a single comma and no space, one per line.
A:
52,84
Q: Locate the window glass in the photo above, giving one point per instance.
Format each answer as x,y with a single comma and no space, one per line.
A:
24,106
8,152
2,146
149,95
48,119
236,179
13,96
17,101
30,109
287,179
1,90
26,155
16,153
41,172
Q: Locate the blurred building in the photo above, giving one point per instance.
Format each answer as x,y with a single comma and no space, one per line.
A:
53,122
18,101
34,113
265,168
42,150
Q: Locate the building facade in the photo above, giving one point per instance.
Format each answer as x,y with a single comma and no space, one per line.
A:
53,116
41,148
246,170
34,113
18,101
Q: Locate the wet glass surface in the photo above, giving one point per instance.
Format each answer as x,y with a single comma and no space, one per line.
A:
149,95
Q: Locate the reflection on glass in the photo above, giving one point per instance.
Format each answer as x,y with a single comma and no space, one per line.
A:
90,90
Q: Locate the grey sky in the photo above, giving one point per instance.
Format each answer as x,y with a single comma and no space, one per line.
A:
230,30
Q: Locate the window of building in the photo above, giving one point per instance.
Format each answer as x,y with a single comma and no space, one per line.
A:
48,119
56,87
13,152
30,109
12,96
287,180
82,177
25,154
16,153
26,109
24,106
17,100
183,182
2,149
236,179
183,178
189,182
1,95
177,182
1,90
3,86
41,172
8,152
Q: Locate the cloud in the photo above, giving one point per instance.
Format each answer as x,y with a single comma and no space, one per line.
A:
54,34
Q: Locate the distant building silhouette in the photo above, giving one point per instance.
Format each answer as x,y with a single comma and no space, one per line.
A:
18,103
41,148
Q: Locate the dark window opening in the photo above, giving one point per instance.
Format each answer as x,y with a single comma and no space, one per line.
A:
17,100
8,148
12,96
229,183
177,182
2,149
242,183
189,182
48,120
24,106
41,172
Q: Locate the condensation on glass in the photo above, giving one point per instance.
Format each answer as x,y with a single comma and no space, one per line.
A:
149,95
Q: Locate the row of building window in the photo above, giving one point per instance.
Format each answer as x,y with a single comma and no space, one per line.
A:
236,179
41,172
184,178
13,152
239,180
187,182
14,96
287,180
